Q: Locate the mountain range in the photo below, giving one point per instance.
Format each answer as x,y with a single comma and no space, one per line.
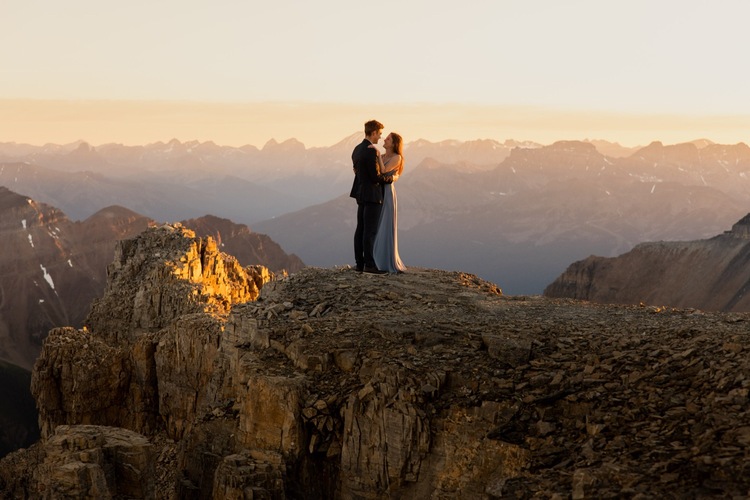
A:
175,180
522,222
515,213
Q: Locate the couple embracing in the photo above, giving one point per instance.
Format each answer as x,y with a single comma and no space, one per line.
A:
375,239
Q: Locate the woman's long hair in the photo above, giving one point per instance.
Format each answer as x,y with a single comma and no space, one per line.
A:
398,148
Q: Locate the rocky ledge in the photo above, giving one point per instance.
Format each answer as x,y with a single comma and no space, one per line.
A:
334,384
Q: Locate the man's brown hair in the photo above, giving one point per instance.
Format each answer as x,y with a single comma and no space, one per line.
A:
373,126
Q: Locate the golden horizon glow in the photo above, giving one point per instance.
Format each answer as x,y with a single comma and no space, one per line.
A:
241,73
133,123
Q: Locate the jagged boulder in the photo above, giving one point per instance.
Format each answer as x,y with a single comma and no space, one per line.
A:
165,274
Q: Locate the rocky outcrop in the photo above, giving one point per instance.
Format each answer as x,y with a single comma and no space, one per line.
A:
165,275
52,268
246,246
707,274
86,461
150,340
427,384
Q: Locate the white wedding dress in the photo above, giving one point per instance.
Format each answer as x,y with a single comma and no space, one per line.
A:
385,249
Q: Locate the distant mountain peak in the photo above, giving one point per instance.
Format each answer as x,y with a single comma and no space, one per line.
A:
350,141
572,146
702,143
115,211
286,146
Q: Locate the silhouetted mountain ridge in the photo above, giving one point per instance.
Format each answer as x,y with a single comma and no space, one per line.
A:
709,274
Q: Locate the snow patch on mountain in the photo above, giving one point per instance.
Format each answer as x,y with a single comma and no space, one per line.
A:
47,277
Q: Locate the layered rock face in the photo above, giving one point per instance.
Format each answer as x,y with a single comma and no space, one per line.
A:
150,341
145,359
707,274
335,384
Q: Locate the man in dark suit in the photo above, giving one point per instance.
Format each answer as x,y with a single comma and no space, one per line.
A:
368,190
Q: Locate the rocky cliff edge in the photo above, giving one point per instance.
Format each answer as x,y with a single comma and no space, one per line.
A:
332,384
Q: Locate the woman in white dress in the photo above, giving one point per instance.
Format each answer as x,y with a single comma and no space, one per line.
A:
385,249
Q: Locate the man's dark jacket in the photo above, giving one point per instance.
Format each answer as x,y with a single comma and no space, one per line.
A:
367,188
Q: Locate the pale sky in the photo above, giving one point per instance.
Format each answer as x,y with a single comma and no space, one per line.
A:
245,71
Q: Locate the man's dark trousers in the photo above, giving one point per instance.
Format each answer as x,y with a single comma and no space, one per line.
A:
368,217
